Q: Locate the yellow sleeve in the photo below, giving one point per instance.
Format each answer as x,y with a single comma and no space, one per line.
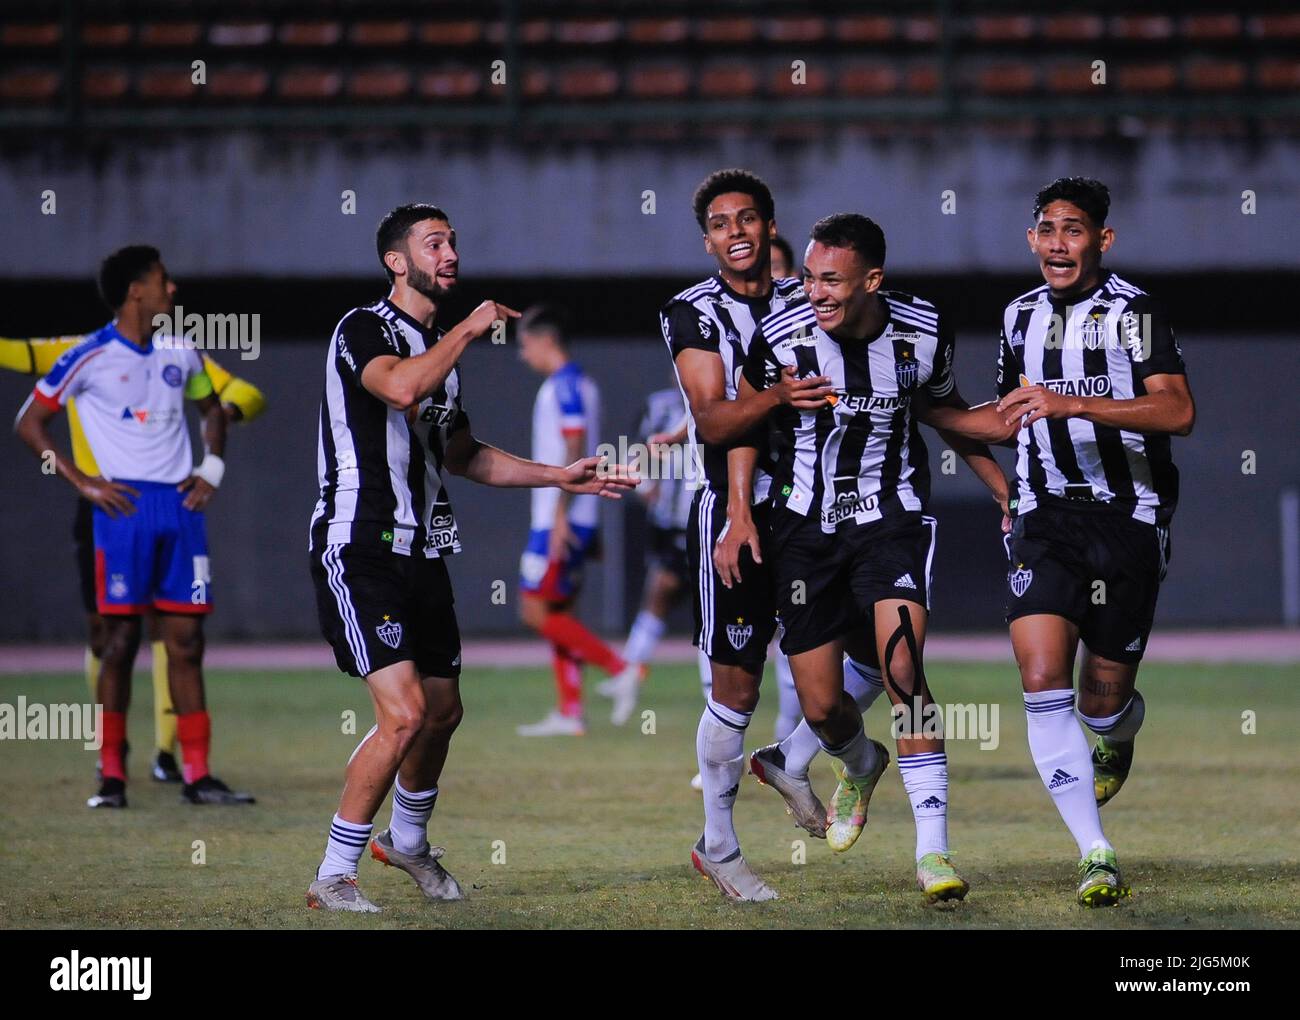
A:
36,356
230,389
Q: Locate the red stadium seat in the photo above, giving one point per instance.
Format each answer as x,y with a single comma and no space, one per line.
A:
29,86
1212,26
238,84
106,35
165,84
1003,28
1006,79
922,79
1278,75
396,32
238,34
794,29
1215,76
1070,79
535,83
657,31
31,35
867,80
817,81
310,33
921,29
587,82
659,81
587,31
450,33
169,33
1142,27
864,28
1147,78
450,84
533,32
1276,26
105,84
727,81
1073,27
379,84
726,30
309,84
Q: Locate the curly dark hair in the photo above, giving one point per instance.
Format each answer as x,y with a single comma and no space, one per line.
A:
720,182
1090,195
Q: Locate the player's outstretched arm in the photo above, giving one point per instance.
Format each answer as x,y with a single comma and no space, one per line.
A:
32,428
719,420
479,462
403,382
981,424
1166,407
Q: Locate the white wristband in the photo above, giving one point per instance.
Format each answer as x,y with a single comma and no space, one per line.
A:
212,470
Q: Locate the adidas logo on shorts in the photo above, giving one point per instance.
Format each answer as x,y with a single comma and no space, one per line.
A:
1135,645
1061,778
905,582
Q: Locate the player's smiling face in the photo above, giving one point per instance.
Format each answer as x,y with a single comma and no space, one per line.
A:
736,235
840,287
431,263
1069,246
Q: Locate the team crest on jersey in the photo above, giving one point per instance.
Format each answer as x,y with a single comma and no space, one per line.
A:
1092,334
739,633
172,375
390,632
905,371
1020,580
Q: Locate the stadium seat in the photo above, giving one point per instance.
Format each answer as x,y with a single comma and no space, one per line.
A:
1073,27
587,82
726,30
304,34
864,28
657,31
1211,27
921,29
397,32
238,84
165,84
450,33
379,84
105,84
308,84
1070,78
1003,28
31,35
1278,75
161,34
1006,79
1276,26
816,81
533,32
106,35
1142,27
450,84
1147,78
727,81
237,34
880,79
587,31
29,86
794,29
1215,75
922,79
659,81
535,83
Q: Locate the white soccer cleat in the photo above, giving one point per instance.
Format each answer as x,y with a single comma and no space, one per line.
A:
554,725
339,892
433,879
623,689
734,877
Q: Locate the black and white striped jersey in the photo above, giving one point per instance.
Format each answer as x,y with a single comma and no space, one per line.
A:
860,458
712,317
381,469
671,509
1103,344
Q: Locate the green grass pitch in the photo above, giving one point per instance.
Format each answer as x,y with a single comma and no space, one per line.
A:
597,831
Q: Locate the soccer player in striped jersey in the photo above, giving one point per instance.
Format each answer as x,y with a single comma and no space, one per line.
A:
242,401
150,543
1089,367
392,419
850,543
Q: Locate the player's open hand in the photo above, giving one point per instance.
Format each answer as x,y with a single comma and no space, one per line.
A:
738,533
113,498
481,319
803,394
198,492
596,475
1030,403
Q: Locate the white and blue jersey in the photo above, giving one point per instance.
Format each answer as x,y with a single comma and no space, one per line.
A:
567,404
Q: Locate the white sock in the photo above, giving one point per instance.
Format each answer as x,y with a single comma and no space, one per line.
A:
857,753
863,684
720,748
347,842
1060,750
1121,727
788,712
706,673
410,825
925,778
646,631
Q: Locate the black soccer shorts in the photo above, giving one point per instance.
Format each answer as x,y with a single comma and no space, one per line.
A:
1095,566
827,585
733,625
377,608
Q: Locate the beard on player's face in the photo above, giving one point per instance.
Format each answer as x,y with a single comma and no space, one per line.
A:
425,283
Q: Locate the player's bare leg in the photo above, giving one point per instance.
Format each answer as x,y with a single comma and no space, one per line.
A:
113,691
720,750
1112,708
1044,646
405,844
163,768
833,715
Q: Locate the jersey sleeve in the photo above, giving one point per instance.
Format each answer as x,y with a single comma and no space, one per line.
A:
942,381
1149,340
568,398
230,389
37,355
685,327
68,377
1008,366
361,337
761,369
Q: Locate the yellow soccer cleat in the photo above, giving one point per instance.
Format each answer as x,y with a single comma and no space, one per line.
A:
1100,884
846,816
938,879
